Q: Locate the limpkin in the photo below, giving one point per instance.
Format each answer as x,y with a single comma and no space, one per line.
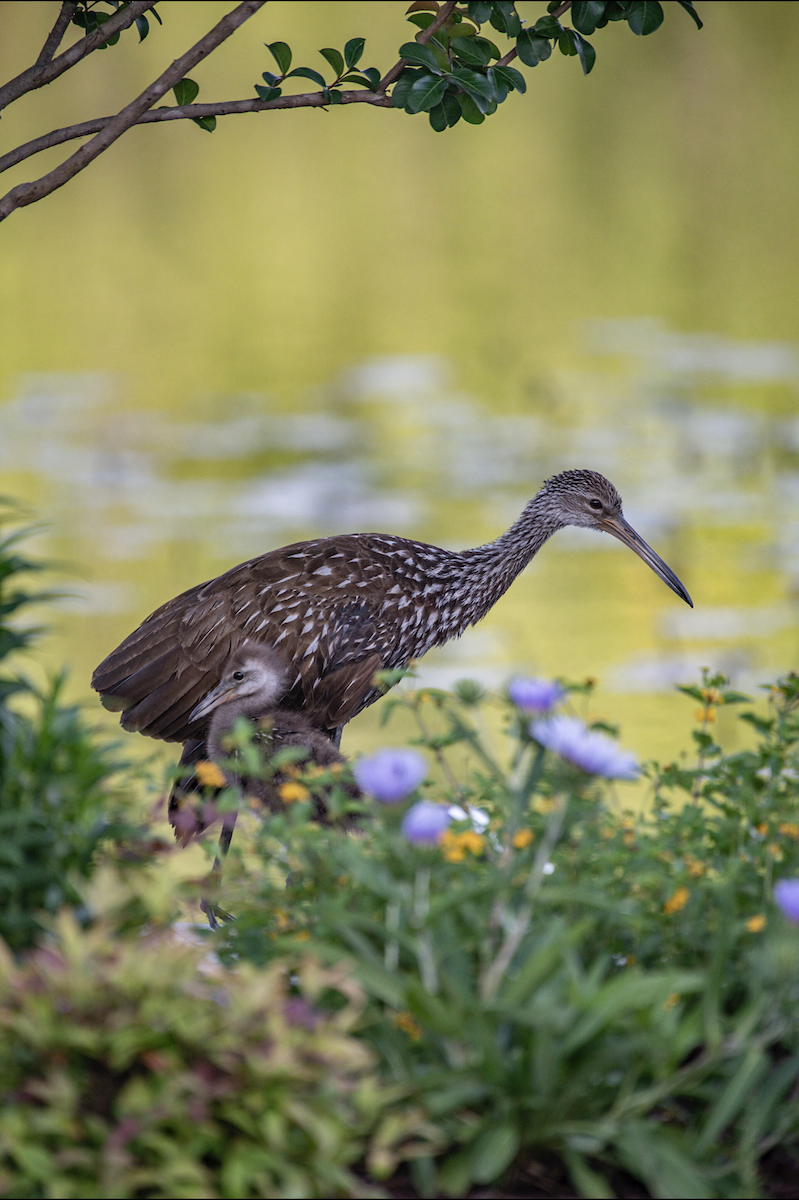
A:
254,680
338,609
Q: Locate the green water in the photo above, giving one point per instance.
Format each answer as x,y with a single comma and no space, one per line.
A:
313,322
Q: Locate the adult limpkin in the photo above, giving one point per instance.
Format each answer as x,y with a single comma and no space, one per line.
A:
337,610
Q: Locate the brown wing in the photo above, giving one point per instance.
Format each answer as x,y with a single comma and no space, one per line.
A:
316,602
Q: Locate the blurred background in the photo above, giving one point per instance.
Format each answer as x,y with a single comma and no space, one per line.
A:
313,322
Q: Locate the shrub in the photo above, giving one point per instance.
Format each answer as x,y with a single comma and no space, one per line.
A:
573,978
141,1066
57,802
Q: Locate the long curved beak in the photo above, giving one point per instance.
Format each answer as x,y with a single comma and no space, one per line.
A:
220,695
619,528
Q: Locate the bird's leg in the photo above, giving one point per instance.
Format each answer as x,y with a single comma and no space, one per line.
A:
335,736
210,907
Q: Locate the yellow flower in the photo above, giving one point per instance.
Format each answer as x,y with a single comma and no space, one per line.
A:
694,866
671,1001
289,792
628,838
209,775
473,841
607,833
677,901
302,936
789,830
712,696
755,924
522,838
455,845
405,1022
762,829
775,851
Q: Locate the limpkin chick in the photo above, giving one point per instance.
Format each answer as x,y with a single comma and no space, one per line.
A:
252,685
337,610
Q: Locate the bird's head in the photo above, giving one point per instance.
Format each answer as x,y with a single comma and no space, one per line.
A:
588,499
253,677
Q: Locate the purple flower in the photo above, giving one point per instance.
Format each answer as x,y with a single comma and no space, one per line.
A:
786,893
535,696
390,775
425,822
590,751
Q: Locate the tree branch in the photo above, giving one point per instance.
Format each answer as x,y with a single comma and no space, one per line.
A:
28,193
186,112
37,76
444,13
56,34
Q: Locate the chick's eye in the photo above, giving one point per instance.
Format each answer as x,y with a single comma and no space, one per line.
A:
597,504
238,675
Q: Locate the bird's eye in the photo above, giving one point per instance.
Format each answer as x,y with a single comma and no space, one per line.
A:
238,675
597,504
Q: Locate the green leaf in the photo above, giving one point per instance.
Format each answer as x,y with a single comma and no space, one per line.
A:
373,75
400,90
512,77
267,93
421,55
438,118
547,27
335,59
629,991
585,51
476,85
423,20
307,73
733,1098
655,1155
333,96
206,123
470,51
494,1150
499,85
452,108
587,1182
469,110
186,91
271,79
532,50
505,18
426,92
143,26
585,14
353,50
281,53
645,16
359,79
689,8
567,42
479,11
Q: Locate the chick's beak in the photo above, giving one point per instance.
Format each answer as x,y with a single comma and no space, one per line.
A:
619,528
220,695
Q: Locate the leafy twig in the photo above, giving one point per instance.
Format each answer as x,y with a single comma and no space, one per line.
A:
28,193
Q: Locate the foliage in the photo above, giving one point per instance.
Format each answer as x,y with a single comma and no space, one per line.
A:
55,780
543,973
450,70
141,1066
616,989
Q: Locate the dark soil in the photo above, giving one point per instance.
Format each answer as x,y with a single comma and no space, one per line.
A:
545,1178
